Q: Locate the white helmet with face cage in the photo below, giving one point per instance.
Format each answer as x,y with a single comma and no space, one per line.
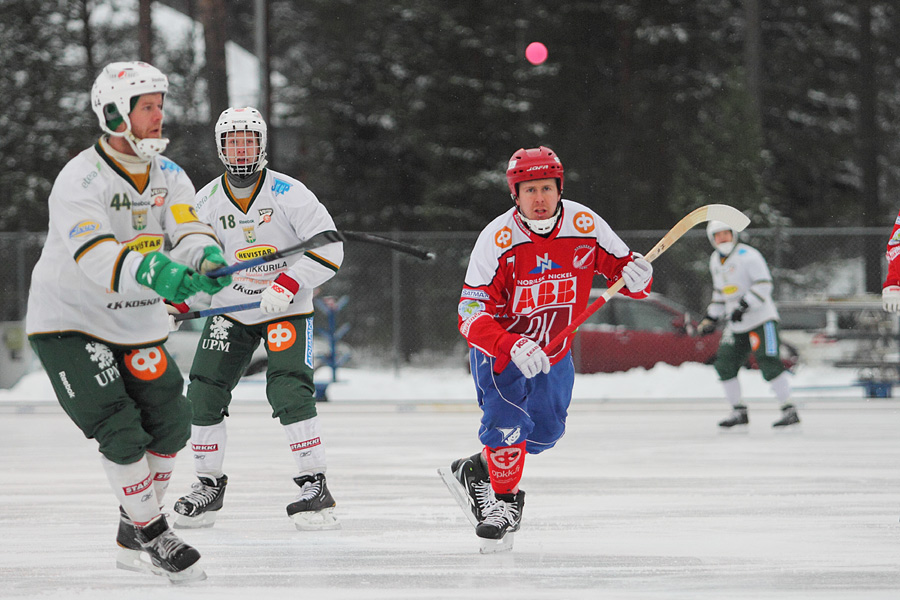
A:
724,248
242,119
113,95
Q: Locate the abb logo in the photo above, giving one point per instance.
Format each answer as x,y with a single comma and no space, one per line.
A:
532,297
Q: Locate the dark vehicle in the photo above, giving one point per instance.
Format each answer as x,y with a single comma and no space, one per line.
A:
627,333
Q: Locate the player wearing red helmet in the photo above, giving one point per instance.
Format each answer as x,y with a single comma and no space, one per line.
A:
529,275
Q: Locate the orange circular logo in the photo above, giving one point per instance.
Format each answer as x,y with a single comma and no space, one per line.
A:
503,238
280,336
146,363
754,340
584,222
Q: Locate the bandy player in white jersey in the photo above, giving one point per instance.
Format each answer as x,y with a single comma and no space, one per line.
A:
95,309
529,276
255,210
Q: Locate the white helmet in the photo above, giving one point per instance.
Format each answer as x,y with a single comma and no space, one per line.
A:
242,119
714,227
111,97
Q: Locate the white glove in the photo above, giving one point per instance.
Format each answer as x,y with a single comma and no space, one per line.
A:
175,309
890,298
637,273
529,357
277,297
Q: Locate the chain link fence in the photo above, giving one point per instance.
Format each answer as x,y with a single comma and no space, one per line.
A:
402,311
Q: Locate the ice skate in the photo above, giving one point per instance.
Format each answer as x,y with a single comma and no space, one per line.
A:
501,520
200,507
469,484
313,510
738,416
169,555
789,416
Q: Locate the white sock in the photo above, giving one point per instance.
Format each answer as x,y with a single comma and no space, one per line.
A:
208,445
161,466
781,385
305,442
133,486
732,391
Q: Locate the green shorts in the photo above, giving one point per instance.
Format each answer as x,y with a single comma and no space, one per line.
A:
129,399
224,351
763,342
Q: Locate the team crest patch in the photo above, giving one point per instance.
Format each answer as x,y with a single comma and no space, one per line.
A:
138,217
265,215
250,234
147,364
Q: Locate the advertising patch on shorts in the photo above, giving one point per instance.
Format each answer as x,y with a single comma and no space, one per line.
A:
280,336
147,364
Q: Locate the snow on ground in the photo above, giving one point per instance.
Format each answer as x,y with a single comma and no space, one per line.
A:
643,498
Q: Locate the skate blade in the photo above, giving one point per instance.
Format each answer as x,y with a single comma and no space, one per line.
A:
201,521
458,492
504,544
318,520
133,560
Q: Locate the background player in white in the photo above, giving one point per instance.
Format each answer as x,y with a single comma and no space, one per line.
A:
253,210
95,309
742,294
529,275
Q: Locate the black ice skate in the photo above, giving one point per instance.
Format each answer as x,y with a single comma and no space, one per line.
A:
469,483
738,416
789,416
201,506
501,520
169,556
313,510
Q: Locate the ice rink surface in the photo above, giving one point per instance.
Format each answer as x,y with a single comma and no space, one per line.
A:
640,499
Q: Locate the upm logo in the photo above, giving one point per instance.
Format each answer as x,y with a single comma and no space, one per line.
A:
280,336
137,488
529,298
147,363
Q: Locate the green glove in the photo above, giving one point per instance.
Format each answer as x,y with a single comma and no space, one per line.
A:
171,280
212,259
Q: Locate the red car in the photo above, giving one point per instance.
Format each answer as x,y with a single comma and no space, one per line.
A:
627,333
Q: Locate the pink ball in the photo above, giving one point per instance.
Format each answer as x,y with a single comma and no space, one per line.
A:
536,53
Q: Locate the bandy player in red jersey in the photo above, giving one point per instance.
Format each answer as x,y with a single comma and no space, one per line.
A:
890,293
529,276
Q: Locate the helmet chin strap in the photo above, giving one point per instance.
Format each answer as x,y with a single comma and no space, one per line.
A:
146,148
541,226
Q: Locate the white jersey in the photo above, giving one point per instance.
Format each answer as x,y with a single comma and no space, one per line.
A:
103,221
281,212
744,275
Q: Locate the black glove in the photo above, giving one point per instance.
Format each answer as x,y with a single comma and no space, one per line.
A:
707,325
738,313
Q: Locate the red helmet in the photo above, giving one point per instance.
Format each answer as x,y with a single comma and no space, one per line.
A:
533,163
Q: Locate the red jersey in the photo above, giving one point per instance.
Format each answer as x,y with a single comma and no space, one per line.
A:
892,254
522,284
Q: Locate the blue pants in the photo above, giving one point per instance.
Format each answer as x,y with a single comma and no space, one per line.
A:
515,408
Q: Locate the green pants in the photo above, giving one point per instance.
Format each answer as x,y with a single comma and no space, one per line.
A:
129,399
225,350
763,342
